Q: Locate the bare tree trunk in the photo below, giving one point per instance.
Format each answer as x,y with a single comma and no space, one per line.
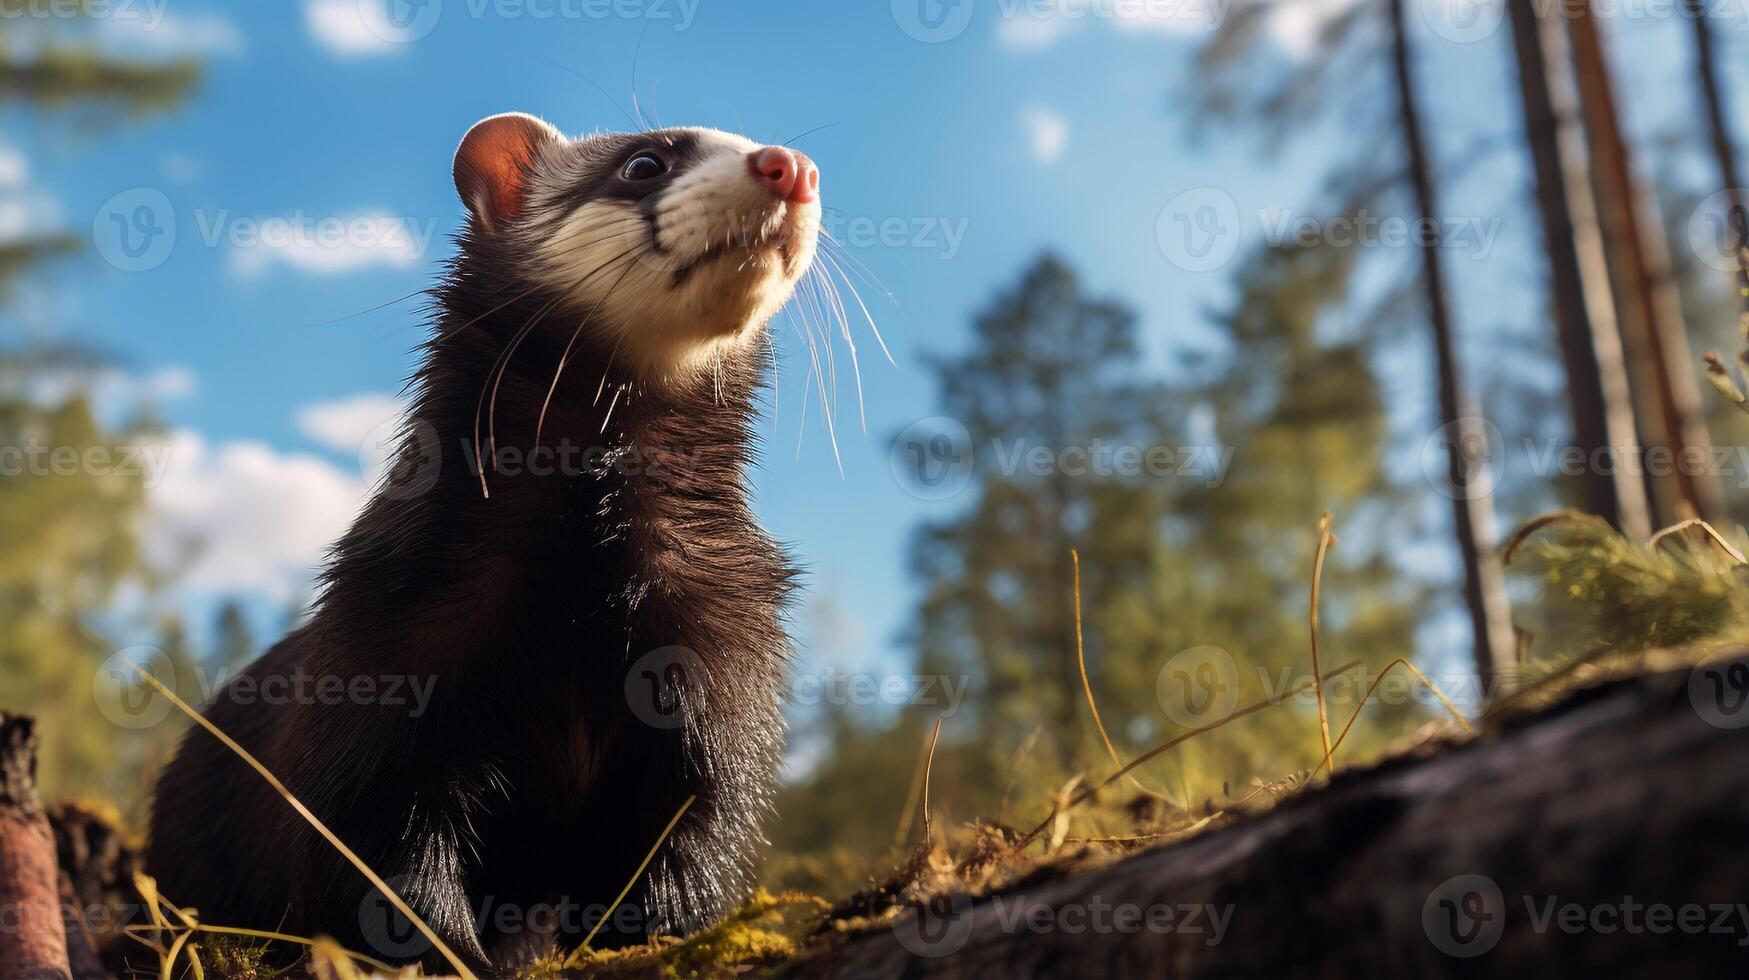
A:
33,940
1647,300
1603,417
1472,501
1706,66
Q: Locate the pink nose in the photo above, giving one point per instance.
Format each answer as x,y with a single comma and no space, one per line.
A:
788,173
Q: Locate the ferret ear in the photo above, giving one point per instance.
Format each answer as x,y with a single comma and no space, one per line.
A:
491,165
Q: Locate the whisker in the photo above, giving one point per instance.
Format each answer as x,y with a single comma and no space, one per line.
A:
496,378
596,85
522,295
565,357
637,52
811,292
503,364
831,289
808,133
802,429
859,267
825,411
365,312
874,327
617,391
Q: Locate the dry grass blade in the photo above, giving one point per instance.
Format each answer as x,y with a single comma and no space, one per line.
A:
928,768
184,929
1093,705
1535,524
1059,818
1374,686
1178,740
583,950
908,812
1712,535
1720,376
1325,540
1020,755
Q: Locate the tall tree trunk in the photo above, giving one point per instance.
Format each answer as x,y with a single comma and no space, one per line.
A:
1472,503
1706,66
1603,416
1648,304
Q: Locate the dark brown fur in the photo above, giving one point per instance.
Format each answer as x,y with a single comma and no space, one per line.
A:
533,780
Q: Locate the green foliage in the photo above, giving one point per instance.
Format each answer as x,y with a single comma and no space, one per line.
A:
69,549
62,77
1600,593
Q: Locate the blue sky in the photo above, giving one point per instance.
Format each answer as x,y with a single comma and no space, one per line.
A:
1025,130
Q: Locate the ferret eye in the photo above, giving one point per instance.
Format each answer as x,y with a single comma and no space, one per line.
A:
643,167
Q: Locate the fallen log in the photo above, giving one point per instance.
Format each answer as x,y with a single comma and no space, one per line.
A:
1601,836
33,941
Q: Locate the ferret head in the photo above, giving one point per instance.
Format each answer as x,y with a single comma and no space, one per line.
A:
671,245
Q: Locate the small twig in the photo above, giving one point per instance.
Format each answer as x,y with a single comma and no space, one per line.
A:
1364,698
1014,768
1178,740
908,812
1087,687
1535,524
1325,541
1725,546
927,769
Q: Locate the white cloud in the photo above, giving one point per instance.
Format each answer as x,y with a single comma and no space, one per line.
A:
1043,25
247,518
1031,32
173,36
180,167
1047,132
328,246
243,517
14,168
30,213
27,210
115,394
1292,26
339,26
346,424
1296,26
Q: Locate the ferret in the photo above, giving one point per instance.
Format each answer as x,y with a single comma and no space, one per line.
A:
603,633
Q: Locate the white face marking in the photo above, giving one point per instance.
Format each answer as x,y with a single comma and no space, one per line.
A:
701,261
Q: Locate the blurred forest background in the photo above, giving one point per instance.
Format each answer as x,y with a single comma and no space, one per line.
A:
1303,396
